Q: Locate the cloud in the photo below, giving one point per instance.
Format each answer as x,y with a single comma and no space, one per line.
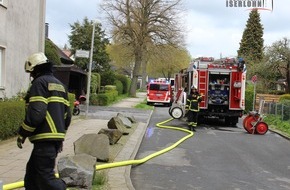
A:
211,28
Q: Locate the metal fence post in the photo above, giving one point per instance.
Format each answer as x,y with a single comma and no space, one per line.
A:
282,112
1,185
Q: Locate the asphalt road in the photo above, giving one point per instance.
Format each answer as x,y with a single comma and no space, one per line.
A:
215,158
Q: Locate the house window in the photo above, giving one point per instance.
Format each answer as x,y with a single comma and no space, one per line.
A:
1,67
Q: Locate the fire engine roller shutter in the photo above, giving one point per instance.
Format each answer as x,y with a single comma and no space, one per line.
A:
202,87
235,93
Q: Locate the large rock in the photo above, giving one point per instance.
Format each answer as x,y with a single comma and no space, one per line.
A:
125,120
77,170
117,123
96,145
113,134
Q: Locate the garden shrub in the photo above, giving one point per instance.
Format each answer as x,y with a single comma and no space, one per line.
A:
12,112
119,87
249,95
125,81
110,88
284,98
104,99
12,115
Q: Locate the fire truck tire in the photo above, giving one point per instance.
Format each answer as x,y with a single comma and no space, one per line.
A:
176,113
261,128
231,121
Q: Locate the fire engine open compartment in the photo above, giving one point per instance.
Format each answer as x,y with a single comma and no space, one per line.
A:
218,89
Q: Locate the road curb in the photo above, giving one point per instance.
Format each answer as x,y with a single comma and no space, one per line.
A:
134,153
280,134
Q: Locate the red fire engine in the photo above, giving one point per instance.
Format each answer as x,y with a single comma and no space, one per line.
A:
221,84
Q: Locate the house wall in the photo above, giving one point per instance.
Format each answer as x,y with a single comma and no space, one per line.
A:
22,28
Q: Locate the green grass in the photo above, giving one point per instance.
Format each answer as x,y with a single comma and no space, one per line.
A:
143,105
276,123
100,181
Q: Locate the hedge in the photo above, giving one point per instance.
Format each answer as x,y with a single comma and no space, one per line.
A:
104,99
284,97
12,115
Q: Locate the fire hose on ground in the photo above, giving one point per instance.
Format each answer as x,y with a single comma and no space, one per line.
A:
126,162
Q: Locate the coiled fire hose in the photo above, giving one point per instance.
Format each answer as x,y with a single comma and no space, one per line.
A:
126,162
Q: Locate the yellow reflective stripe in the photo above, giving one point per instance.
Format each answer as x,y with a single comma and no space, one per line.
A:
48,100
38,99
58,99
47,136
27,128
50,123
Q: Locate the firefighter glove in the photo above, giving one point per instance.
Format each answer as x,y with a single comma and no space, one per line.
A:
20,141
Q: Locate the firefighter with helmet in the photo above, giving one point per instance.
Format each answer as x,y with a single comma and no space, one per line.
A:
47,119
192,107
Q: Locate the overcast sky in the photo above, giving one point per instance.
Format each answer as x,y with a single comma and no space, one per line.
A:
212,29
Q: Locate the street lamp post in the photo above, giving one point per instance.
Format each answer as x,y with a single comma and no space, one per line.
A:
90,70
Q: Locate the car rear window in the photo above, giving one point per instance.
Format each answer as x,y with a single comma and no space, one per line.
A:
161,87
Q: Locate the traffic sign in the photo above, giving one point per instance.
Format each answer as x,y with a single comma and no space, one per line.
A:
254,79
82,53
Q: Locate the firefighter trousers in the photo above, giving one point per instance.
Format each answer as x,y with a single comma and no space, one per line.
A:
40,174
192,118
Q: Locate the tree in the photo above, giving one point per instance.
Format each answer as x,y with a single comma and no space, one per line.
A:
51,51
81,37
277,58
137,23
252,42
167,60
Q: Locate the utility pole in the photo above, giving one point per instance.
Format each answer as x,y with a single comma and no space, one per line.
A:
90,70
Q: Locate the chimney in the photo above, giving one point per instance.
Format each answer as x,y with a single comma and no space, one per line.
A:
46,29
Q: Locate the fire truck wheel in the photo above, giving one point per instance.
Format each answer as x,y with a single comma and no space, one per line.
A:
261,128
231,121
169,111
176,113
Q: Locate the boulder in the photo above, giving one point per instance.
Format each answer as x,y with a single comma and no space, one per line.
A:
96,145
125,120
117,123
113,134
77,171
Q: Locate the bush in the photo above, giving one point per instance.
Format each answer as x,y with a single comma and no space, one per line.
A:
108,78
12,115
284,98
249,95
110,88
125,81
119,87
95,83
104,99
71,98
51,52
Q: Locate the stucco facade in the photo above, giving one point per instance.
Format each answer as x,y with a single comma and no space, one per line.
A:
22,32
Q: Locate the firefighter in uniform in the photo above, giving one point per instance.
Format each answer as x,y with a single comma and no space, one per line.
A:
192,107
46,120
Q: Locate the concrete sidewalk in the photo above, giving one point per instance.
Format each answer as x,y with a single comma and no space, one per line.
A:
13,160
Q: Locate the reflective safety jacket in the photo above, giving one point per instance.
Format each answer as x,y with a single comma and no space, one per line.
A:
192,102
48,113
